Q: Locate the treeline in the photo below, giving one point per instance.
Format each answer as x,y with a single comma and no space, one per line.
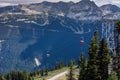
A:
25,75
96,67
16,75
44,72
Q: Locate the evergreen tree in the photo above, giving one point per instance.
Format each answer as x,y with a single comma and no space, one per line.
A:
71,73
73,62
79,61
42,72
92,68
117,26
113,76
26,75
2,77
8,77
21,75
59,65
46,71
82,66
16,75
103,60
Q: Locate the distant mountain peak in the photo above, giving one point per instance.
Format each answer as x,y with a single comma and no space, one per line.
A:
87,2
110,7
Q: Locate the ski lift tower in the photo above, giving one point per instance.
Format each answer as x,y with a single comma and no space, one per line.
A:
112,36
116,58
108,34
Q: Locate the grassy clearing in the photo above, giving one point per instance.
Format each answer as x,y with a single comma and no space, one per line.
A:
51,74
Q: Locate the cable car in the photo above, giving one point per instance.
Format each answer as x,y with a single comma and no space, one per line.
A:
81,41
48,55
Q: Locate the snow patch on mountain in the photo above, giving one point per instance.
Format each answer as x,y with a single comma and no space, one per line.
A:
61,14
28,11
12,26
52,30
33,22
15,13
21,20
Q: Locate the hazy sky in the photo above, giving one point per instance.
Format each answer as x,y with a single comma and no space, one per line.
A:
98,2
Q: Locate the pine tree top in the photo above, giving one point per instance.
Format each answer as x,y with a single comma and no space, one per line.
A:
117,26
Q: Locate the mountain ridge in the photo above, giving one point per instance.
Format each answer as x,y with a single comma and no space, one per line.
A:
83,10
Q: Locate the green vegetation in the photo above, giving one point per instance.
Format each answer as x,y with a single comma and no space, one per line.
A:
98,62
16,75
113,76
50,74
92,66
42,74
82,63
103,60
118,25
71,73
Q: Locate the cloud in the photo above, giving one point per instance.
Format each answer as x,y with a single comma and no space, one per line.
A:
102,2
116,2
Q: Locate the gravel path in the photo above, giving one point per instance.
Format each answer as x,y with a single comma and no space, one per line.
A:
58,75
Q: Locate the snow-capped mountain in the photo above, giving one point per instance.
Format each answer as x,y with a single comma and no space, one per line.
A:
85,9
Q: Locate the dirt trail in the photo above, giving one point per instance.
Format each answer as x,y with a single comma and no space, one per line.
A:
58,75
